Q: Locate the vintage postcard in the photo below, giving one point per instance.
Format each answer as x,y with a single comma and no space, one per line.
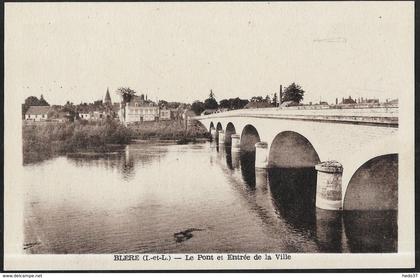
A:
212,136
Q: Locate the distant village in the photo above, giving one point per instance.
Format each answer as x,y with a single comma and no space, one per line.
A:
139,109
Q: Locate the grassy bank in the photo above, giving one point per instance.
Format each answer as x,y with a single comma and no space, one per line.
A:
46,140
168,130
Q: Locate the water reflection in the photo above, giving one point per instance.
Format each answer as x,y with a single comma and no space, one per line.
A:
236,160
329,230
371,231
124,160
228,152
261,179
293,191
247,164
136,199
293,194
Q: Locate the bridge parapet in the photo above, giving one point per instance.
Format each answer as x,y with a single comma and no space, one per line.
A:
386,115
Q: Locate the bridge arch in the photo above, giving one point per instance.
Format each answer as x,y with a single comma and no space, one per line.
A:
211,126
230,129
249,138
290,149
374,185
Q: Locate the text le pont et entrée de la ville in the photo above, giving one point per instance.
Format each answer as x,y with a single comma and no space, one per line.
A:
202,257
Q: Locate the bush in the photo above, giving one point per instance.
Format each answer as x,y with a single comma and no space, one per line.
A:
167,130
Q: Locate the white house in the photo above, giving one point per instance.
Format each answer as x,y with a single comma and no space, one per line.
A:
85,115
37,113
139,109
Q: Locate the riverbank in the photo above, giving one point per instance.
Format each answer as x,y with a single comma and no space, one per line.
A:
168,130
44,141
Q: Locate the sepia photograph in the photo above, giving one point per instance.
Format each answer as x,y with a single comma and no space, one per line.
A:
205,135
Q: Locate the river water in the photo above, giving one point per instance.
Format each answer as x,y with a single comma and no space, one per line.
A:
168,198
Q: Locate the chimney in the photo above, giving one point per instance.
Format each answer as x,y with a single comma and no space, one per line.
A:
281,95
336,100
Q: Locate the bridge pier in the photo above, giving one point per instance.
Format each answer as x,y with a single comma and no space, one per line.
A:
261,155
221,137
328,185
236,142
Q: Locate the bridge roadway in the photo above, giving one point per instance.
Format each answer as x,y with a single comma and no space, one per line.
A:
354,149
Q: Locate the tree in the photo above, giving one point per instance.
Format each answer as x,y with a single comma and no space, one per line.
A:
126,94
70,110
211,102
32,101
293,93
197,107
43,102
225,103
163,103
267,99
211,94
237,103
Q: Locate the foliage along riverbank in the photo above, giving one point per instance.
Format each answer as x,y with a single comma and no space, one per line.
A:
168,130
43,141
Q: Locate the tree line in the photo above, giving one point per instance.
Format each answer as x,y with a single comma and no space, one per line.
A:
293,94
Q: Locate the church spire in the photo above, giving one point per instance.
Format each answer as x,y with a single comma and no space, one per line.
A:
107,97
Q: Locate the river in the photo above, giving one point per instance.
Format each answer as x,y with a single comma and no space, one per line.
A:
153,197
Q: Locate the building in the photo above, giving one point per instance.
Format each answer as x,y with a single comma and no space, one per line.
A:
139,109
62,117
368,101
164,114
348,100
85,115
99,110
37,113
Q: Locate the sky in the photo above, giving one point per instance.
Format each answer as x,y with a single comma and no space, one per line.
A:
179,51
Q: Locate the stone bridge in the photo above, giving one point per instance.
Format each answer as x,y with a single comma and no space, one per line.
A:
354,150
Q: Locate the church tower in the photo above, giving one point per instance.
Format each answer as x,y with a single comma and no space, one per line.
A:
107,97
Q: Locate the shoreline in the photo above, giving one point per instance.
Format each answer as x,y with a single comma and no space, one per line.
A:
42,142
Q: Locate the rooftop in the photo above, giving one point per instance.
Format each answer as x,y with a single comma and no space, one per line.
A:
38,110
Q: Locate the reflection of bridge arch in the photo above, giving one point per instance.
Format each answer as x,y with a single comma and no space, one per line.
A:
249,138
230,129
290,149
374,185
218,129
